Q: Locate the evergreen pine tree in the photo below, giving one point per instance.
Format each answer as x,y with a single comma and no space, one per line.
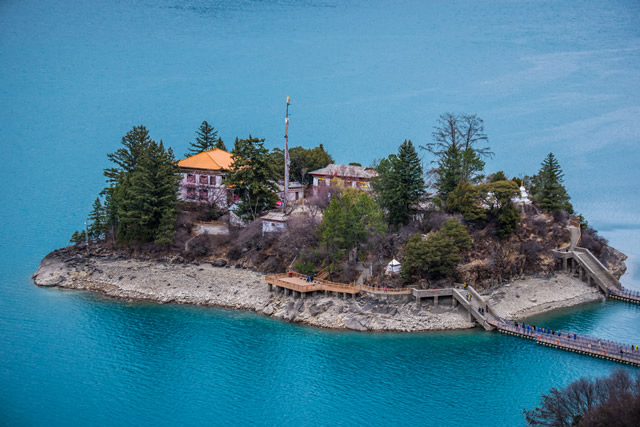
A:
467,200
78,237
449,171
220,144
400,185
349,221
548,189
206,140
135,142
252,177
148,207
126,158
98,220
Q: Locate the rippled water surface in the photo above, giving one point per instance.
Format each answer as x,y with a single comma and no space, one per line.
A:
363,76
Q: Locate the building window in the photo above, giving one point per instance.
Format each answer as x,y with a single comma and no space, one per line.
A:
191,179
191,193
204,179
203,195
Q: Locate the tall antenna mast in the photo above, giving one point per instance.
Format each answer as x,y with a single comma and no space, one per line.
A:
286,158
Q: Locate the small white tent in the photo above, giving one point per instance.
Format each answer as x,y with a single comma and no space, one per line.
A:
393,267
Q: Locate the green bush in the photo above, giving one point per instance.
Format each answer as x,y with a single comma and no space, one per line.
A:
305,267
434,258
457,232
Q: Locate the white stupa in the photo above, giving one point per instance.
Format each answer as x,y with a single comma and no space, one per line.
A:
393,267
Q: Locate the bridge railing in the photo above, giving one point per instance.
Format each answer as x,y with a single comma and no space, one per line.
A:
596,261
388,290
316,281
569,340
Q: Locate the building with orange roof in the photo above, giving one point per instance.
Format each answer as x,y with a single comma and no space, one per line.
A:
203,175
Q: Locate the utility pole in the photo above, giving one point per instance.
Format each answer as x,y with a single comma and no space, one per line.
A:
286,158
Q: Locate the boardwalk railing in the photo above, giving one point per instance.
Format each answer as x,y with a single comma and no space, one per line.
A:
326,285
587,263
377,290
564,340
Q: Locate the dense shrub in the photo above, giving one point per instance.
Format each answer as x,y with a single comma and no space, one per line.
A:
531,249
561,217
300,235
457,232
234,253
199,246
433,258
305,267
435,219
592,241
348,273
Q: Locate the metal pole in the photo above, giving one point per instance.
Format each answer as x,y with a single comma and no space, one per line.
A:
286,158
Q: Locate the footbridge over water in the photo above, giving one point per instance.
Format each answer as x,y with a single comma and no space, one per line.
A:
575,259
475,305
582,344
581,261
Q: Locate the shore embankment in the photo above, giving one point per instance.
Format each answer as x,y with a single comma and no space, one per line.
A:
204,284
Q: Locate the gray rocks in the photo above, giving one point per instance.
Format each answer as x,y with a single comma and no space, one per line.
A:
187,283
51,272
353,322
316,309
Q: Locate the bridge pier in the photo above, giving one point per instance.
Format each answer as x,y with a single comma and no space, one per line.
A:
454,302
580,273
435,301
326,293
565,265
270,287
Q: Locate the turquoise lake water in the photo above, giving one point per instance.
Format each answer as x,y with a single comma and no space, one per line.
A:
76,75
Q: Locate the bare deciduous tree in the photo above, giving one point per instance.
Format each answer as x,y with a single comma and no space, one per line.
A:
613,400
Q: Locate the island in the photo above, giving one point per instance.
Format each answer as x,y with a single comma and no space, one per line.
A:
217,227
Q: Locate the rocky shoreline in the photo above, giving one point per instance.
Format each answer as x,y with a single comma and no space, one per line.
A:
204,284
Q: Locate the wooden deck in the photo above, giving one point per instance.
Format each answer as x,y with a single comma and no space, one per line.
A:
589,346
298,282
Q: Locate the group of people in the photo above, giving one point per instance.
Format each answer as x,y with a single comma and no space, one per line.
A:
533,329
310,278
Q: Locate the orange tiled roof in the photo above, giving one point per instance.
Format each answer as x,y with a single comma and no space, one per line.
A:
213,159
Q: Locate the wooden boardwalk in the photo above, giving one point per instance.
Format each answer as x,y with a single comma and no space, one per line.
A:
576,260
300,286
